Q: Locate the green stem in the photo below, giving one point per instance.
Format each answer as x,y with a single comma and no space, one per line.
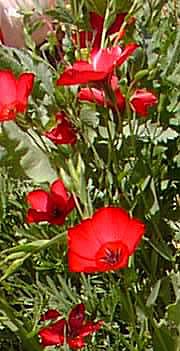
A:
78,205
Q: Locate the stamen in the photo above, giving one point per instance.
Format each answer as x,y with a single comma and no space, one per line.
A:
111,257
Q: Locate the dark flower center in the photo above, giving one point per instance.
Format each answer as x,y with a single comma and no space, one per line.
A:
112,255
56,212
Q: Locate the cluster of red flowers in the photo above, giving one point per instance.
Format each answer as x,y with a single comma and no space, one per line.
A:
98,69
72,332
105,241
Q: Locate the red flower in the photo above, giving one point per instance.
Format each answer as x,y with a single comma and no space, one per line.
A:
103,242
50,314
14,94
73,331
52,207
63,133
102,64
98,96
141,101
83,38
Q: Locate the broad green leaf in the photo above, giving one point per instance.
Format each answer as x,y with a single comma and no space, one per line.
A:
32,160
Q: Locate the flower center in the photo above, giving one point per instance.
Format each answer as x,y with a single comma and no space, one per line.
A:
112,255
56,212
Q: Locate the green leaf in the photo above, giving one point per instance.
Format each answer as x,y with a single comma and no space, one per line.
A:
163,339
154,294
89,117
173,312
29,158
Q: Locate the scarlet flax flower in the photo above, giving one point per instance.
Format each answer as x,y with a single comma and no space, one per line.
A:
64,133
98,96
103,242
99,67
141,100
14,94
52,206
72,332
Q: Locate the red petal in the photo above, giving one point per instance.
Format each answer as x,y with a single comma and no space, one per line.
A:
97,96
76,343
39,200
92,95
62,134
59,193
70,205
76,318
80,73
53,334
96,21
83,241
8,88
24,88
134,232
90,327
34,216
128,51
78,263
116,25
50,314
82,38
105,59
142,100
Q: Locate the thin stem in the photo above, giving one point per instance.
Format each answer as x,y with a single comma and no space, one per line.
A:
77,205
